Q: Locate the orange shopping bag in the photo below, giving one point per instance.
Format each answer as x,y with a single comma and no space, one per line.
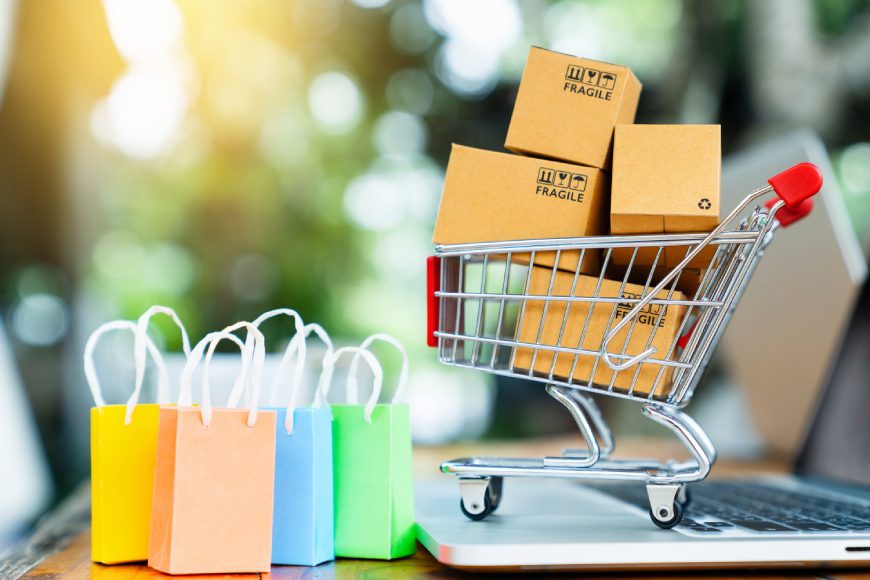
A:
214,476
123,446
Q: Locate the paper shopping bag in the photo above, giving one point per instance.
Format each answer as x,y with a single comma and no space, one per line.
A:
302,520
123,446
214,477
303,529
374,497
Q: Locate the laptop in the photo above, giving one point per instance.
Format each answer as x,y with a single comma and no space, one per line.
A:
818,515
24,496
781,386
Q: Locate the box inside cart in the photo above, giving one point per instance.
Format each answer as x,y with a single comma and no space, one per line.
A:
567,107
665,181
562,324
490,197
688,281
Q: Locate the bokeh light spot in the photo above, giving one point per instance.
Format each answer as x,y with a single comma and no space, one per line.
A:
399,133
252,277
411,90
40,319
855,169
169,269
144,110
284,140
382,198
371,3
478,35
409,30
335,101
143,30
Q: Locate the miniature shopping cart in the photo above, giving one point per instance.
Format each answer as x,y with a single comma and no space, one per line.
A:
486,313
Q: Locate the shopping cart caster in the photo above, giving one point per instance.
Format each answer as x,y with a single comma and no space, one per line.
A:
666,507
480,496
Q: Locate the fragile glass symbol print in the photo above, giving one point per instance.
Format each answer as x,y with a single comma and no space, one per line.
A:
590,76
575,181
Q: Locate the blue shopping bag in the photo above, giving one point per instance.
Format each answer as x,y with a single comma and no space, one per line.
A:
302,522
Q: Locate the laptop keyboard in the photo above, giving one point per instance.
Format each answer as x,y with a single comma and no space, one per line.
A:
758,507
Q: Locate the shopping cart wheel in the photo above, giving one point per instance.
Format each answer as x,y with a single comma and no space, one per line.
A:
476,517
665,504
676,516
480,496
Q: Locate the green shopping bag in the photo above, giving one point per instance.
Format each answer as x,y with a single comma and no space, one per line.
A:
372,472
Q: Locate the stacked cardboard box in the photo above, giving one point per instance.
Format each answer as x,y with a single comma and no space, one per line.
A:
585,169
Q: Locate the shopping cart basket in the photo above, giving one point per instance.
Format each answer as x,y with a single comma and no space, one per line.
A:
486,312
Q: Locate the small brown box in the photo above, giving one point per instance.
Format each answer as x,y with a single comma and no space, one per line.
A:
493,197
567,107
665,180
532,331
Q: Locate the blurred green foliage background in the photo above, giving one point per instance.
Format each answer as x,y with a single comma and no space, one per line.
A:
229,157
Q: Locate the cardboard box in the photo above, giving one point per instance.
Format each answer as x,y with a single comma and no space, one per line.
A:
567,107
531,330
491,197
688,283
665,180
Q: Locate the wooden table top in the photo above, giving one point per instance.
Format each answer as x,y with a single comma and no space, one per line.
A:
60,547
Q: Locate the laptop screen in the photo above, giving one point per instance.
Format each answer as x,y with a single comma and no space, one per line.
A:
838,443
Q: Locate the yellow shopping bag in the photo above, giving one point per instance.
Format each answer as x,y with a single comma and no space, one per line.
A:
123,443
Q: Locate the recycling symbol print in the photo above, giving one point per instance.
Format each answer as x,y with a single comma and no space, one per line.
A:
705,203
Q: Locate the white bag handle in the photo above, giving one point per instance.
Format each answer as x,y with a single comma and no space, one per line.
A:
399,394
142,334
289,354
185,398
147,343
323,389
255,377
298,325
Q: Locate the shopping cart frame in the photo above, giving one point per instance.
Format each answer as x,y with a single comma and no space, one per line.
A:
739,243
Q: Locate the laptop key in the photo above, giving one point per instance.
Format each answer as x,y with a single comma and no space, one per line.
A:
762,526
814,527
763,509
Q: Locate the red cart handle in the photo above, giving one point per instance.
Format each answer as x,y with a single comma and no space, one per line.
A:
787,216
796,184
433,285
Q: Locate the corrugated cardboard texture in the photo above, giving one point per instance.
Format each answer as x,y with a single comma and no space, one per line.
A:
567,107
670,257
491,197
531,331
665,180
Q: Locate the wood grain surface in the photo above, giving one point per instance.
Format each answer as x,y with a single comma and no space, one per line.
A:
60,547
